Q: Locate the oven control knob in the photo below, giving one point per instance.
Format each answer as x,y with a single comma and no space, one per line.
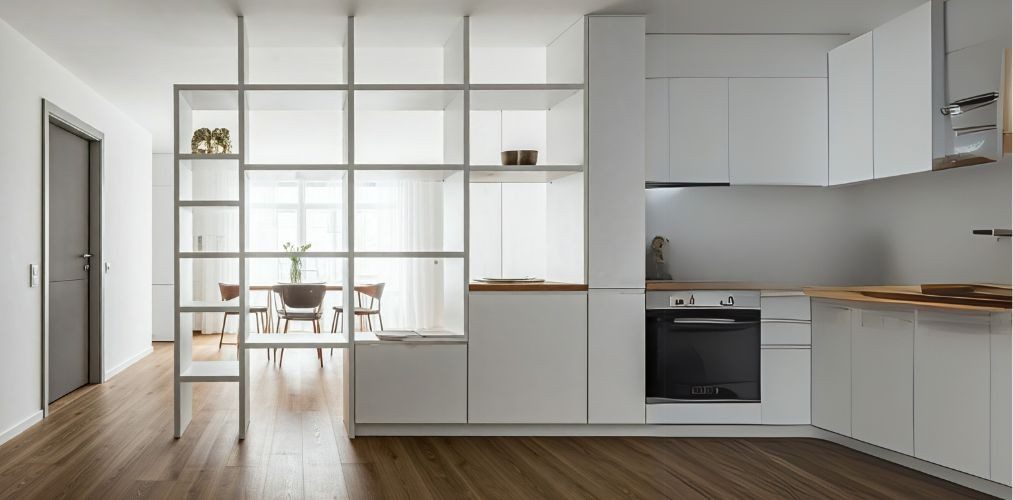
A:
729,302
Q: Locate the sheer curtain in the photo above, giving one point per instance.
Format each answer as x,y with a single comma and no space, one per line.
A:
213,230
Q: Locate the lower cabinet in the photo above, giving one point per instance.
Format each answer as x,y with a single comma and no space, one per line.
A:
615,357
951,391
785,385
831,367
882,379
412,383
527,358
1000,404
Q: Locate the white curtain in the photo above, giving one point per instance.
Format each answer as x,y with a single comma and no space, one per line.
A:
214,229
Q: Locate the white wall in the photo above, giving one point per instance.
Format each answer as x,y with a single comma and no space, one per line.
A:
906,230
27,77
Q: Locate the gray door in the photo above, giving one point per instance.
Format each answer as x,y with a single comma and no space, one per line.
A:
69,206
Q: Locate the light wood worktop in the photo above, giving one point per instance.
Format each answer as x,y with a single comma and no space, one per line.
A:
547,286
855,294
672,286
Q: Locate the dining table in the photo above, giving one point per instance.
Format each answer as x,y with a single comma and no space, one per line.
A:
330,287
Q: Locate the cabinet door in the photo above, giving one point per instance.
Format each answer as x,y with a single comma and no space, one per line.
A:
850,87
616,152
951,390
906,77
1001,421
657,130
785,386
778,131
527,358
698,129
615,357
882,381
411,383
831,367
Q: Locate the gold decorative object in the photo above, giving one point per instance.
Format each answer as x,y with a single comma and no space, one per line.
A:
206,141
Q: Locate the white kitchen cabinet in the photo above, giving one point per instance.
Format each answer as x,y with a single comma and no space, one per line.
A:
831,367
774,305
698,130
656,133
778,131
1000,403
951,381
908,91
527,358
615,357
785,385
850,89
411,383
882,382
615,163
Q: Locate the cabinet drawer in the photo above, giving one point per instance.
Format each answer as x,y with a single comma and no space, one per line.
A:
785,307
785,332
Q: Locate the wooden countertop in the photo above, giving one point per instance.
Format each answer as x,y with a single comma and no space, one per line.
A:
855,294
547,286
671,286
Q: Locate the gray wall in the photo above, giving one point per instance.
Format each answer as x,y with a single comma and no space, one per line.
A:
905,230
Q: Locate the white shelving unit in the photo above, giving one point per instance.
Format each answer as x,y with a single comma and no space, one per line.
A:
314,108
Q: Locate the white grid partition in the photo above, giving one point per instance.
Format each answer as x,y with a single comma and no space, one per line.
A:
235,98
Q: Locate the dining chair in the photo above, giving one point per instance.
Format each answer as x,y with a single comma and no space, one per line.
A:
363,313
230,291
301,302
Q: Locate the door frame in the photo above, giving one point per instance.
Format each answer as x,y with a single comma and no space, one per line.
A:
54,115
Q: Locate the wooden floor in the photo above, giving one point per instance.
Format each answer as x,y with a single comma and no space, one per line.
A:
115,441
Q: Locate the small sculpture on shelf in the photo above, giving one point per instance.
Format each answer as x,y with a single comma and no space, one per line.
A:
658,269
207,142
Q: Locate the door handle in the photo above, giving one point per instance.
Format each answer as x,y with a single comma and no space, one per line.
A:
86,256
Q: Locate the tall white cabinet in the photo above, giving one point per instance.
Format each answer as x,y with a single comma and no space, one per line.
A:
615,169
615,357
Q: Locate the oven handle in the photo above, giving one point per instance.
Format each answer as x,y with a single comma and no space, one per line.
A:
710,321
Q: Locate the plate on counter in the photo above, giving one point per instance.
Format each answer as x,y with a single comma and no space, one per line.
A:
527,279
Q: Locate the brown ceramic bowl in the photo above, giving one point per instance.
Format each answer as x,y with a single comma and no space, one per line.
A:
519,157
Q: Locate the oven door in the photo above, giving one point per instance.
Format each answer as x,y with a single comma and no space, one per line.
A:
703,355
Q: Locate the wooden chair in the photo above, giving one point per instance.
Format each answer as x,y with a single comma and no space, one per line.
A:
229,292
363,313
301,302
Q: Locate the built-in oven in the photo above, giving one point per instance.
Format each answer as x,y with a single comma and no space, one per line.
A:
702,348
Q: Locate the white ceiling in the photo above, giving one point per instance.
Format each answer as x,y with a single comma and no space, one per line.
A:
132,51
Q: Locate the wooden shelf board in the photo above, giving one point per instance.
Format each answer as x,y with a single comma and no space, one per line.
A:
366,338
192,156
211,371
208,306
547,286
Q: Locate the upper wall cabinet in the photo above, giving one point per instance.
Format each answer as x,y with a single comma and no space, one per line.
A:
850,85
778,131
698,130
907,55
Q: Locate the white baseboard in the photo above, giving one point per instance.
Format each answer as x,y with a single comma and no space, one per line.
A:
954,476
20,427
110,373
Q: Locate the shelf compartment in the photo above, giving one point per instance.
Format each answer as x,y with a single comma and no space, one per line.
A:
297,206
419,291
290,47
550,51
409,211
209,226
296,126
297,340
548,121
211,109
522,174
199,276
211,371
409,127
208,179
414,49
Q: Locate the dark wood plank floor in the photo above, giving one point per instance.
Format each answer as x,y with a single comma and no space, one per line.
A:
115,441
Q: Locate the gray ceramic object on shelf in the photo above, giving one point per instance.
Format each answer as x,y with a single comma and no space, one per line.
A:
519,157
